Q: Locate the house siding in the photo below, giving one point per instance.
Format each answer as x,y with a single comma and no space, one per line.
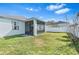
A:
35,28
6,27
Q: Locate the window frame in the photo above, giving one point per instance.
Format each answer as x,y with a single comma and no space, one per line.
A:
15,25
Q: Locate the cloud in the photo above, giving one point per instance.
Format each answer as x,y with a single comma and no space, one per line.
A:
62,11
32,9
29,9
40,17
55,7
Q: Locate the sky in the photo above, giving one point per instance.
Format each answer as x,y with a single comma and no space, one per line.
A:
42,11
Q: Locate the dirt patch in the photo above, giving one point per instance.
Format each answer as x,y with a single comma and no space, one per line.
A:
38,42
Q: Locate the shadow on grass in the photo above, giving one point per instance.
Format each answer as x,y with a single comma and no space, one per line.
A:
66,37
71,45
66,49
69,39
11,37
75,42
64,40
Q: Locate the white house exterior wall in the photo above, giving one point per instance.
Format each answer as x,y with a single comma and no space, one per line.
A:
6,27
35,27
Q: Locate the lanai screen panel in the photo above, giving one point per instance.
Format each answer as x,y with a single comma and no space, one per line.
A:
29,28
40,26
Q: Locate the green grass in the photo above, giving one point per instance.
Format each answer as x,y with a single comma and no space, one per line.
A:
44,44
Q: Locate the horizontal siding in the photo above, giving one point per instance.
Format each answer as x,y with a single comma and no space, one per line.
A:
6,27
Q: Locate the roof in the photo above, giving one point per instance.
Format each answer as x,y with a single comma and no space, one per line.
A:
21,18
61,22
57,23
33,18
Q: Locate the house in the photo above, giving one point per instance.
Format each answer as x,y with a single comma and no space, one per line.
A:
59,26
15,25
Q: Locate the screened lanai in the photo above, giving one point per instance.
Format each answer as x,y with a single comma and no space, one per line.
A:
34,26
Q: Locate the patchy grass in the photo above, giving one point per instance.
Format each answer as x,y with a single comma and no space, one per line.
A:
47,43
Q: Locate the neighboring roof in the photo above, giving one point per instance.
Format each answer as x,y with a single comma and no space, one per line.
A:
21,18
56,23
61,22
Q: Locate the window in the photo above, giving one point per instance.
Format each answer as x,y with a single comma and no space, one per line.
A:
15,26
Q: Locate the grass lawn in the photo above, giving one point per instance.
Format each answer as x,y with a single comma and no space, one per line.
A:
46,43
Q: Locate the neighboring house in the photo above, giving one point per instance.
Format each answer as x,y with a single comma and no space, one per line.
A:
15,25
59,26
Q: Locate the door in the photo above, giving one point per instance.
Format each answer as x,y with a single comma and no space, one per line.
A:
29,28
